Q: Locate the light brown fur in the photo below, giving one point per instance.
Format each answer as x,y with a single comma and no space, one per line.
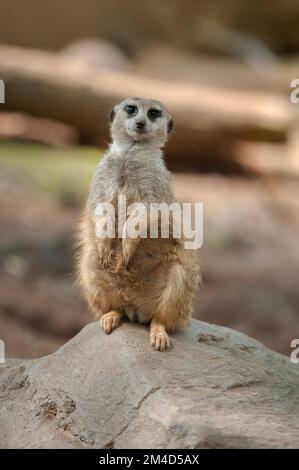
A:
146,280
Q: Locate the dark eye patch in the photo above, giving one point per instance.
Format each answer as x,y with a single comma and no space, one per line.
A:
154,113
131,109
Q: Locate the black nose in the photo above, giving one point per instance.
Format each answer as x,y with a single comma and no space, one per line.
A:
140,124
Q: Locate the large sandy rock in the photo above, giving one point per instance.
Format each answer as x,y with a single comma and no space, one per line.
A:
214,388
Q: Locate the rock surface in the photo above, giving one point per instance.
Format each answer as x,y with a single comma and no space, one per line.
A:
215,388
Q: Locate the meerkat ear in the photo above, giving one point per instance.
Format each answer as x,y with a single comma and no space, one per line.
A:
112,114
170,125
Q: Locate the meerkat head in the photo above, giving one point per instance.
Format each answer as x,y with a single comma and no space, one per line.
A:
140,120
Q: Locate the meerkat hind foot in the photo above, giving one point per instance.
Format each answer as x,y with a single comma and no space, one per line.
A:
111,320
159,339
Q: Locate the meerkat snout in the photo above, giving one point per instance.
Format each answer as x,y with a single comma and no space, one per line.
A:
140,120
140,126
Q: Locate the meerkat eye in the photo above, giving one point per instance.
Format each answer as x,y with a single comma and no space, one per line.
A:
131,109
154,113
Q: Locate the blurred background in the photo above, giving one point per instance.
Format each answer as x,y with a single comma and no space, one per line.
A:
224,71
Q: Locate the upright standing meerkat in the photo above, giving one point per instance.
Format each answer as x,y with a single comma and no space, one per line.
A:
149,280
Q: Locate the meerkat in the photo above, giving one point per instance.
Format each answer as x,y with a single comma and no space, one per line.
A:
148,280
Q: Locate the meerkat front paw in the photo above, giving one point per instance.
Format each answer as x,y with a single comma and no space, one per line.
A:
128,250
110,321
159,339
104,252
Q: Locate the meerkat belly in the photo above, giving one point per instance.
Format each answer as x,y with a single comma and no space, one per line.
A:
135,288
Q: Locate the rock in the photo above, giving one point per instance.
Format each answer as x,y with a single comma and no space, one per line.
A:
214,388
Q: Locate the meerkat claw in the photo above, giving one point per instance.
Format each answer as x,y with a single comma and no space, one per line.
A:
104,260
104,254
128,250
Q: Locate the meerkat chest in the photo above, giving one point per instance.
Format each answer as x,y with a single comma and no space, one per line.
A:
138,175
137,178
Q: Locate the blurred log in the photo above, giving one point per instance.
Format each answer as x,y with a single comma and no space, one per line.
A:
163,61
133,24
208,120
46,131
269,159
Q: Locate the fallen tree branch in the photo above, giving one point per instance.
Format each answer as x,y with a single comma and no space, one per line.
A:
24,127
207,119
